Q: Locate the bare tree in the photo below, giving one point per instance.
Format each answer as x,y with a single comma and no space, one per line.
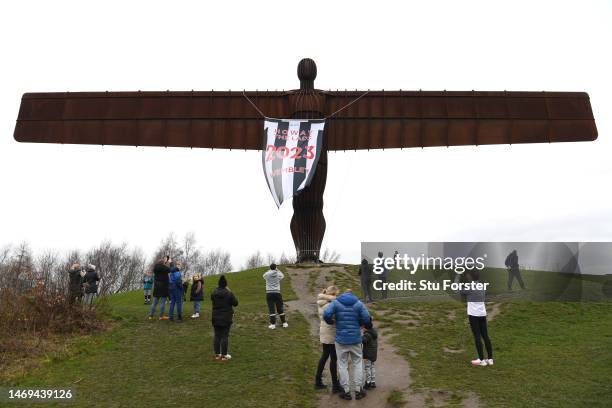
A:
254,261
330,256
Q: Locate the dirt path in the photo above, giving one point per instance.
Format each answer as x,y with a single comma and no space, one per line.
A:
392,371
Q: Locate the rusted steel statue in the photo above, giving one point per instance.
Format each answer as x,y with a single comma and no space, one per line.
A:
355,120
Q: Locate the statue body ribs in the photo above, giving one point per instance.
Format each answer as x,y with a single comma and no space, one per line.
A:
356,121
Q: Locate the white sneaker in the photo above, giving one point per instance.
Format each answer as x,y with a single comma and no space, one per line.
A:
227,357
272,327
490,361
479,362
285,325
193,316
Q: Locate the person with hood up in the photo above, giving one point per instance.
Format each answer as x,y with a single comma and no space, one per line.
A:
90,284
175,288
223,303
370,353
274,297
160,288
327,336
75,284
349,314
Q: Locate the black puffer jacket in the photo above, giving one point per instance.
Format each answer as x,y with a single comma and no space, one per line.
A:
160,286
90,281
223,303
370,344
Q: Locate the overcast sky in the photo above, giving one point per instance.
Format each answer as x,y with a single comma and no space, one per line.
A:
74,196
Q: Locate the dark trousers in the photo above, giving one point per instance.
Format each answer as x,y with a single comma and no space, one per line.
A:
366,289
515,273
221,342
328,352
479,330
275,305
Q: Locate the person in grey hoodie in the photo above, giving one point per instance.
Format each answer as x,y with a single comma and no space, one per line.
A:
274,297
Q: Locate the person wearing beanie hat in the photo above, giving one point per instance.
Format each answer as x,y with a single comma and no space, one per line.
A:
175,288
223,303
147,285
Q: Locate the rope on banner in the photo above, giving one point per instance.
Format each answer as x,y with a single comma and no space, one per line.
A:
253,104
348,104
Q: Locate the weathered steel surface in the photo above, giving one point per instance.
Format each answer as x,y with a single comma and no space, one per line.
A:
381,119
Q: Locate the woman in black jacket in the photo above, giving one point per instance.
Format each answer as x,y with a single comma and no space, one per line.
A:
223,303
160,288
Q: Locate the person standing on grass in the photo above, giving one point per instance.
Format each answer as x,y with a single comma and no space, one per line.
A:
383,277
274,297
197,294
147,285
370,353
175,287
327,336
75,284
223,303
364,274
90,284
512,263
160,287
477,316
349,314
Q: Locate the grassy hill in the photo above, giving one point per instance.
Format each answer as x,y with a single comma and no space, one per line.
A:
162,364
548,354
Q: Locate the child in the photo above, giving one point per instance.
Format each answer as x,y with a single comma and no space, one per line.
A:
197,295
176,293
147,284
274,297
370,352
477,316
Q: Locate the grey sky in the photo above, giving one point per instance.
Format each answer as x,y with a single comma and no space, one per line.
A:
74,196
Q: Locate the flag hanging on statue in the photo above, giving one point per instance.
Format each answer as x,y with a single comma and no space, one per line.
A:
292,148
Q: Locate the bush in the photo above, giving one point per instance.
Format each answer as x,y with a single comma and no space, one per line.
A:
37,314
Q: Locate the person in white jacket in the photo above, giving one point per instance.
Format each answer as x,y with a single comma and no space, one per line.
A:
327,336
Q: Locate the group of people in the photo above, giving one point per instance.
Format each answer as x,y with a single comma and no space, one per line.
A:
82,284
166,281
346,333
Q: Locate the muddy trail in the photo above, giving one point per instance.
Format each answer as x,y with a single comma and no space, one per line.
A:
392,370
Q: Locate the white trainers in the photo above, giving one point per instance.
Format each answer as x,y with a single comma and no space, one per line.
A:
272,327
226,357
490,361
479,362
193,316
285,325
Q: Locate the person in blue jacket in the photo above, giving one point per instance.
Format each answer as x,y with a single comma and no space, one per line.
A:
175,288
349,314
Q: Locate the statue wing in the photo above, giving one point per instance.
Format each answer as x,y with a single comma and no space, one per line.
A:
398,119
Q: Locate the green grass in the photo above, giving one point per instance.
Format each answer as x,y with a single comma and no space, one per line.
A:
546,354
161,364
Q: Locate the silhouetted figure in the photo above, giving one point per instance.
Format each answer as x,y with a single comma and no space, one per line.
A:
364,273
383,277
512,264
